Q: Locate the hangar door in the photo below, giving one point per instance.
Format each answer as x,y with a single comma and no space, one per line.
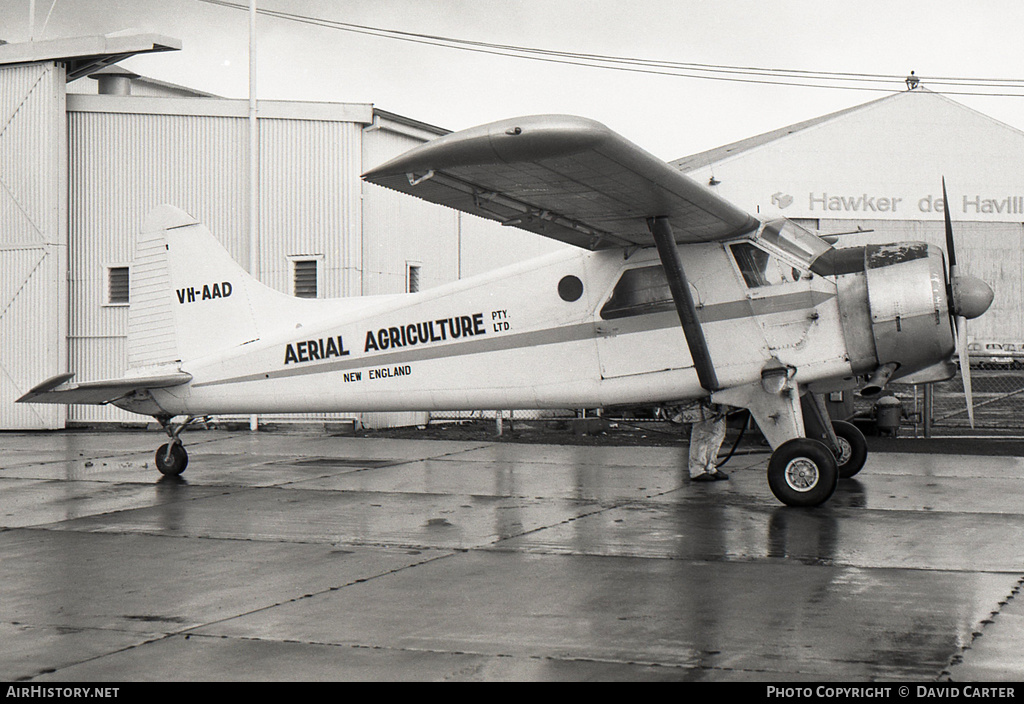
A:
33,239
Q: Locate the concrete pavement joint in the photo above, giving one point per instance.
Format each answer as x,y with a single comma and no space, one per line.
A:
958,657
469,653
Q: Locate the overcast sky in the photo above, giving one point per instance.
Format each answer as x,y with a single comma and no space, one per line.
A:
670,116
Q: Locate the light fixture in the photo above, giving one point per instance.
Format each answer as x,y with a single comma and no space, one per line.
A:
775,375
912,81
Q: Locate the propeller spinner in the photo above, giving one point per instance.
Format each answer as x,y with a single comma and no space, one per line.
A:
969,297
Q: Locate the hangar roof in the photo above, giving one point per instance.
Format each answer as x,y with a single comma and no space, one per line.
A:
884,159
84,55
695,161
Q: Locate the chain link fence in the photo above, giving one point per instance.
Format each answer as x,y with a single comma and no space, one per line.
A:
997,389
546,414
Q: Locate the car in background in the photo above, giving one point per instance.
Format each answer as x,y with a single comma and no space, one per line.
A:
990,354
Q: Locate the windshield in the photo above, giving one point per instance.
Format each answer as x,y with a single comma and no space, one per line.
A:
793,239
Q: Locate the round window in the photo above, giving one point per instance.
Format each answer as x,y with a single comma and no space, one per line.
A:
570,288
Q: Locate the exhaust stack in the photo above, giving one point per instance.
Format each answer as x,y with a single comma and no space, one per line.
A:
879,378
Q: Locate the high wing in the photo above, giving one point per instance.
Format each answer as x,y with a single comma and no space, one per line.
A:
564,177
59,389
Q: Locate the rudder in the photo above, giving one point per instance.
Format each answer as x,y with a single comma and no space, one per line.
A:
151,330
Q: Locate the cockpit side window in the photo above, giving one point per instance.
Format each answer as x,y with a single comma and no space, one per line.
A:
760,268
639,291
753,263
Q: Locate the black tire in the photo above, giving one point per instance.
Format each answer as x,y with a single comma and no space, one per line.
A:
854,448
175,464
802,472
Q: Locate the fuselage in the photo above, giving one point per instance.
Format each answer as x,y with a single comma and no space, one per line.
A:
573,329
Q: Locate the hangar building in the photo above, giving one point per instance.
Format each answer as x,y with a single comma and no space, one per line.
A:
81,167
878,167
84,161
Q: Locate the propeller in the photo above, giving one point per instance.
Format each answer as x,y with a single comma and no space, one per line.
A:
969,297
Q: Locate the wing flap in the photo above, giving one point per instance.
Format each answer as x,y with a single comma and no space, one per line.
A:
563,177
60,389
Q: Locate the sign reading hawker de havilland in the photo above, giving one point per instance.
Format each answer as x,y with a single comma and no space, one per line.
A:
891,204
868,204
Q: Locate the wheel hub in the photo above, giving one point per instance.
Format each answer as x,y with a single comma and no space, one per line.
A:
845,451
801,474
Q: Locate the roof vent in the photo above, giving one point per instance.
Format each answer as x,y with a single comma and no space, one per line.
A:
114,80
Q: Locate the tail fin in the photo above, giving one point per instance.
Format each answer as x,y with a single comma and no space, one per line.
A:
189,298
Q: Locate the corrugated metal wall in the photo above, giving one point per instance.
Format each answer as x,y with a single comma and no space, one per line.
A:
399,229
309,207
128,155
33,239
122,166
309,202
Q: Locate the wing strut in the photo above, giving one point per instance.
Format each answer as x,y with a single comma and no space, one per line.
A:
680,288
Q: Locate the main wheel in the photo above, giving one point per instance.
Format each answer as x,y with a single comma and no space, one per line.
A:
174,464
853,448
802,472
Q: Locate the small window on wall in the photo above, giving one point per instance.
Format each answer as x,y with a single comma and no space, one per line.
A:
306,282
117,286
412,277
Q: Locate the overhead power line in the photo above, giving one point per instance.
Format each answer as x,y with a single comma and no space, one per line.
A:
840,80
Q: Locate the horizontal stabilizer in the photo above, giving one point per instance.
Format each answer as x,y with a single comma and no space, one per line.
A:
60,389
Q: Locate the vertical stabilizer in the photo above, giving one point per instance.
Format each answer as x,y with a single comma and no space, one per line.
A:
190,299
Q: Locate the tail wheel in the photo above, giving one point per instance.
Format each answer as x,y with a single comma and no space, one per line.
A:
171,463
853,448
802,472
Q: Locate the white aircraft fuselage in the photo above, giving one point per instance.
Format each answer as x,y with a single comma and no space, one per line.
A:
552,332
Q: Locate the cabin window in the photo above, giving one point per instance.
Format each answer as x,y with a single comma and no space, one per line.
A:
759,268
638,292
306,279
117,285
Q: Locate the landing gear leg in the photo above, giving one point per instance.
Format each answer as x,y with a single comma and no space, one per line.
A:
844,439
171,458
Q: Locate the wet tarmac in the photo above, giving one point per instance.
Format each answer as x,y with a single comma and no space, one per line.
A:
284,556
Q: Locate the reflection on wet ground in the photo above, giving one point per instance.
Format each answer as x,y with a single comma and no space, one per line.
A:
285,556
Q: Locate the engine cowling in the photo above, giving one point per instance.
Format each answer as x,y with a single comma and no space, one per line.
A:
907,297
895,307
